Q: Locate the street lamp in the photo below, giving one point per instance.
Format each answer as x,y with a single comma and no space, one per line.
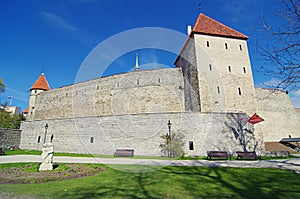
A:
169,138
169,126
46,128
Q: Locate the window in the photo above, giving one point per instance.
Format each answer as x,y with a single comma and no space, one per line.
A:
39,139
35,91
239,90
207,43
210,67
244,69
98,87
92,140
241,47
158,80
67,94
226,46
229,69
218,89
118,84
138,82
191,145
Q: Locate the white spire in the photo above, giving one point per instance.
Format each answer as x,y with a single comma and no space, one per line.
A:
136,62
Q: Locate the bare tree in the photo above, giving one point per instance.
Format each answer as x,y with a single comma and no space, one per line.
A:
282,53
2,86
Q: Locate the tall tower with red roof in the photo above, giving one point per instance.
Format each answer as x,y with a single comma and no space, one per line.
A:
40,85
216,68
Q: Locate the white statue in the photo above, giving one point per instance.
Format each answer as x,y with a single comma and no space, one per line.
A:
47,157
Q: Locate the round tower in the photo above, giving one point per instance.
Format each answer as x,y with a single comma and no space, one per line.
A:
38,87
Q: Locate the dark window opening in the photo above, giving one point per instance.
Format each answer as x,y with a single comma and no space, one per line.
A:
92,140
35,91
244,68
158,80
241,47
240,92
191,145
229,68
52,136
138,82
207,43
218,89
210,68
98,87
226,46
118,84
67,94
39,139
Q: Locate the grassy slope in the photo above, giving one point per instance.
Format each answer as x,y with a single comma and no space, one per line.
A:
170,182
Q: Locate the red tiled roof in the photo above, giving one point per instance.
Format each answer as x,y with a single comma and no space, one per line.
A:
26,110
206,25
41,83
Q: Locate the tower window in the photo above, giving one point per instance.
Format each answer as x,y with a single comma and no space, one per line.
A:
210,67
39,139
92,140
158,80
207,43
118,84
191,145
226,46
98,87
35,91
229,69
138,82
241,47
218,89
239,91
244,69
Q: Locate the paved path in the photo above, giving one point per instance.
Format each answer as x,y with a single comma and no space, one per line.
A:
290,164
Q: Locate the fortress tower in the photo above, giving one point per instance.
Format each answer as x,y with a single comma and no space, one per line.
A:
216,69
38,87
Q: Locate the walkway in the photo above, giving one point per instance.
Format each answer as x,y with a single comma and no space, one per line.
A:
289,164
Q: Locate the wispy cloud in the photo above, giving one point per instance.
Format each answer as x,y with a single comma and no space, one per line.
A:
17,94
272,83
58,21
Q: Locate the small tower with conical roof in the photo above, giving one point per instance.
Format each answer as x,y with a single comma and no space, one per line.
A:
38,87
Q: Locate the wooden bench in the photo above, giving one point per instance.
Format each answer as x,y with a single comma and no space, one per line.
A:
247,155
124,152
218,154
2,151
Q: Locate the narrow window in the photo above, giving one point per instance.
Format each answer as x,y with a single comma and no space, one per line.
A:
35,91
207,43
239,90
98,87
118,84
229,69
244,69
158,80
191,145
210,68
241,47
92,140
226,46
39,139
218,89
67,94
138,82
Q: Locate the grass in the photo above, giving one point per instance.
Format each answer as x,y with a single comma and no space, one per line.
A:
168,182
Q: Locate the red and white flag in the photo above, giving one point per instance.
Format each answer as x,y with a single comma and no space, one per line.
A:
255,119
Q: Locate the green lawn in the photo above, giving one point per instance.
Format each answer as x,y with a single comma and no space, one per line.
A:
169,182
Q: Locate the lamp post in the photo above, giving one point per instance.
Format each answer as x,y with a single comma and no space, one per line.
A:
169,138
46,128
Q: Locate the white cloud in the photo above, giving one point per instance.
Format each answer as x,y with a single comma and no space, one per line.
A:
272,83
58,20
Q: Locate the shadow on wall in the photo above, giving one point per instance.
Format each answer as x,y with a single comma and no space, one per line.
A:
241,131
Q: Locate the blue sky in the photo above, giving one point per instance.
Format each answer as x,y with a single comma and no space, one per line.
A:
56,36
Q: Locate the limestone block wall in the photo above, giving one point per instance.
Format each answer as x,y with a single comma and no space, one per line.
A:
225,75
141,132
10,138
281,119
129,93
187,61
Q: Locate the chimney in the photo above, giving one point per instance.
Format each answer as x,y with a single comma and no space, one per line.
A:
189,29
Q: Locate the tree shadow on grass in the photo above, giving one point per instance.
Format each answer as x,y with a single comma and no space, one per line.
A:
191,182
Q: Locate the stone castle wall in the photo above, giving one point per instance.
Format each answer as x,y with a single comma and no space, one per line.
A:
130,93
141,132
281,118
10,138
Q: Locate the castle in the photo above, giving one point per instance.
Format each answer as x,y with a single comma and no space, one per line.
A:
208,97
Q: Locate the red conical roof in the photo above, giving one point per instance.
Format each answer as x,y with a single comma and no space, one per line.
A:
26,110
41,83
206,25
